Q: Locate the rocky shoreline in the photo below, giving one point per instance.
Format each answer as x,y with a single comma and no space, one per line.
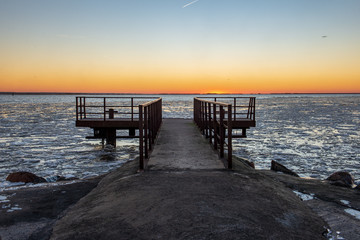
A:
43,209
29,213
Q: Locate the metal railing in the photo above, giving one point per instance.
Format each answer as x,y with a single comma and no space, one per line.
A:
243,108
150,119
215,121
147,113
109,107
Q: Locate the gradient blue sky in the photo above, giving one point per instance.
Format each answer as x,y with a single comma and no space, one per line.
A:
252,46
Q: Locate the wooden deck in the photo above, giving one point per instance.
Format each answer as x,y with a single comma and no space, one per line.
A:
128,123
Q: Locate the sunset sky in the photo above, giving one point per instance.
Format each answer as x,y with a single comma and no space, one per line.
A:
173,46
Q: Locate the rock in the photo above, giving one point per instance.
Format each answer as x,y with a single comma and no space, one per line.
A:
25,177
252,164
277,167
343,179
247,162
62,178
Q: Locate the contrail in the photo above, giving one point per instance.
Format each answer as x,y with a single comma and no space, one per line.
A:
186,5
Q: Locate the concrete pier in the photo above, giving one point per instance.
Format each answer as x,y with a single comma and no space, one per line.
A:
186,193
181,147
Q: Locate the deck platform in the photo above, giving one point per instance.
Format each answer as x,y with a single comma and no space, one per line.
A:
108,123
142,116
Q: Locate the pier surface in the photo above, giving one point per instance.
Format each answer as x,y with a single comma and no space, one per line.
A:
180,146
186,193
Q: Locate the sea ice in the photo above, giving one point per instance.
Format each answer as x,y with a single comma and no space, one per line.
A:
353,212
304,196
345,202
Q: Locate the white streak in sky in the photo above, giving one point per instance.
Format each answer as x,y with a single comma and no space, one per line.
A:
186,5
67,36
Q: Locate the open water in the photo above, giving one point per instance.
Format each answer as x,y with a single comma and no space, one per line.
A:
314,135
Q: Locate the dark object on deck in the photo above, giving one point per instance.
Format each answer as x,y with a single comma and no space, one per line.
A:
25,177
277,167
343,179
217,120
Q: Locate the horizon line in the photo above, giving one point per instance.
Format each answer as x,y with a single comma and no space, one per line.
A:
209,93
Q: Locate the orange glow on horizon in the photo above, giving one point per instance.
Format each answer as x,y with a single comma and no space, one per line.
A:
180,79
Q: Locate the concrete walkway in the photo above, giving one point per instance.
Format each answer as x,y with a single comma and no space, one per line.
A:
187,194
180,147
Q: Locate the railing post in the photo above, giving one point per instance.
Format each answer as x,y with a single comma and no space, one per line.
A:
104,109
254,99
150,123
160,110
81,111
229,127
221,128
84,107
141,138
210,123
234,108
215,128
206,120
132,109
194,110
77,110
146,126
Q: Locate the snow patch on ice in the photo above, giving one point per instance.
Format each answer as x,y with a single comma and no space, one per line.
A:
3,199
353,212
345,202
334,236
31,185
304,196
7,205
6,184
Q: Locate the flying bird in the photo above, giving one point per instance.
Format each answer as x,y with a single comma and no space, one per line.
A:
186,5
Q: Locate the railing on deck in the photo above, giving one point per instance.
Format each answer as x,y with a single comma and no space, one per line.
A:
147,113
109,107
210,117
243,108
215,120
150,118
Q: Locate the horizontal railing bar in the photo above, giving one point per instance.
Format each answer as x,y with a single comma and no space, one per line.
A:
226,97
119,97
213,102
151,102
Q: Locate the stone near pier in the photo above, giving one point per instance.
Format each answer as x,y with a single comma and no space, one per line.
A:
25,177
277,167
343,179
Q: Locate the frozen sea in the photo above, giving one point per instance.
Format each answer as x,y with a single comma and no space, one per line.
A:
314,135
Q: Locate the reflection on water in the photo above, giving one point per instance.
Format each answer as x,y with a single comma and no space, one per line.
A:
313,135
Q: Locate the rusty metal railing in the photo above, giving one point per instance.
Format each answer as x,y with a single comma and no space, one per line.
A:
150,119
215,121
100,107
242,107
